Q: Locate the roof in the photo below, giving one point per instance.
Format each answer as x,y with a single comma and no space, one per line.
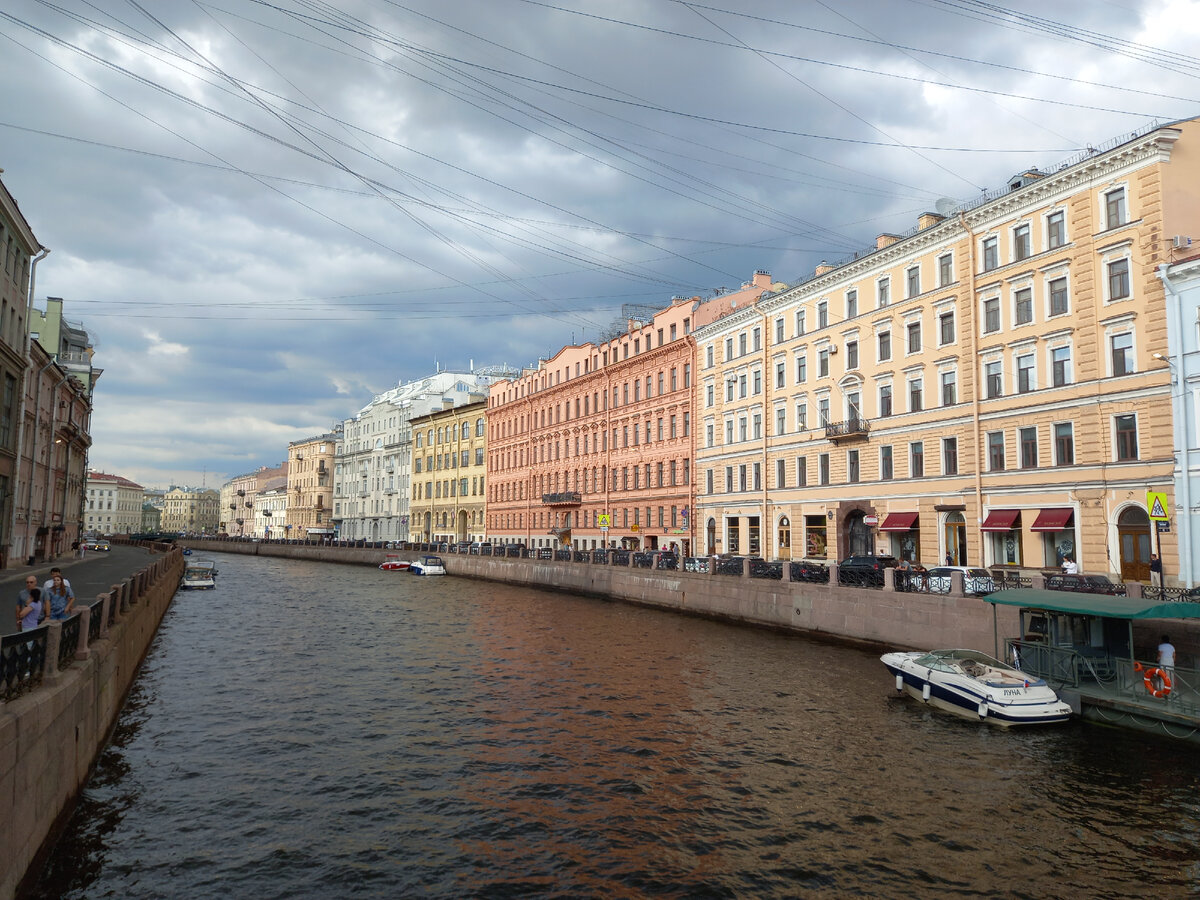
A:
1080,604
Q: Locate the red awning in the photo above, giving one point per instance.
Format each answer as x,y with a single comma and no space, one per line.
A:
1052,520
899,522
1001,520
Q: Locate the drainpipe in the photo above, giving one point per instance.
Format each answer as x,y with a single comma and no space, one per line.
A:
1182,429
973,355
45,251
766,524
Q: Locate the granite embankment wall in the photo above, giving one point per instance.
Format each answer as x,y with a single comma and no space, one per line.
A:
51,736
877,617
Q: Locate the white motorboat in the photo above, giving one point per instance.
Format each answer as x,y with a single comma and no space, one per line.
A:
428,565
199,574
976,686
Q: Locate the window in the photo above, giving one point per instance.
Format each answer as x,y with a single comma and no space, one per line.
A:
801,416
852,354
756,379
1026,379
742,344
1023,306
708,434
1060,366
823,412
781,420
916,459
730,384
912,281
946,328
799,322
886,472
822,314
995,451
757,342
780,375
991,315
779,331
945,269
1118,279
991,253
708,357
801,369
1121,346
913,331
1029,447
885,401
851,304
994,379
757,423
949,388
823,363
915,388
823,468
708,481
709,393
742,385
780,472
950,456
1127,444
885,346
852,472
1114,208
1058,297
728,349
1022,248
801,471
883,291
1064,444
1056,230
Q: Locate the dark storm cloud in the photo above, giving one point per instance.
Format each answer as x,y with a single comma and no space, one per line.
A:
267,213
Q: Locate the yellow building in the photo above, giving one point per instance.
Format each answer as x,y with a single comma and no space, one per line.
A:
309,488
987,387
449,466
188,511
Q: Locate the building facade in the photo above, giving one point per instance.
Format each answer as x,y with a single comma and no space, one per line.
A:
593,448
449,474
270,512
310,487
113,505
191,511
983,389
373,468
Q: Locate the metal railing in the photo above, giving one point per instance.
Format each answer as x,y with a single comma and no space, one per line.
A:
22,659
700,565
69,642
95,622
807,572
643,560
772,571
1170,595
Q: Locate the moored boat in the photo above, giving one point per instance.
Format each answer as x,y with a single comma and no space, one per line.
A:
428,565
394,563
976,686
199,574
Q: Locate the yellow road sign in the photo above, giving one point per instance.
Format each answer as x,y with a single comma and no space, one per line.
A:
1156,503
605,520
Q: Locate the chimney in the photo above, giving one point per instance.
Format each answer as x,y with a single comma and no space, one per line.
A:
761,279
823,268
886,240
928,220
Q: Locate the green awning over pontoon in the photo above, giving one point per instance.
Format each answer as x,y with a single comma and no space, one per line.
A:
1094,604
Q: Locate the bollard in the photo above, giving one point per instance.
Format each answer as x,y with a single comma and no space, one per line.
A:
958,585
107,598
745,567
787,570
1037,581
53,642
889,580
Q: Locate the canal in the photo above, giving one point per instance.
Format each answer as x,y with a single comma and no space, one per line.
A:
315,730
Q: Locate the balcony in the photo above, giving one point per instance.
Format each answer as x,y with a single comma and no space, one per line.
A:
856,429
241,493
567,498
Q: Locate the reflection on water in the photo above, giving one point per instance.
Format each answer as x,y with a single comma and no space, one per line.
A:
315,730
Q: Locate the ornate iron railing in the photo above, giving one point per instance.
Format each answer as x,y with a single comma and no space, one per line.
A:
809,573
701,565
69,642
22,661
643,560
94,622
772,571
851,428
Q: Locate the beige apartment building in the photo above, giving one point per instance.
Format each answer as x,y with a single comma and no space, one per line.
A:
593,448
990,387
113,505
449,472
310,487
190,511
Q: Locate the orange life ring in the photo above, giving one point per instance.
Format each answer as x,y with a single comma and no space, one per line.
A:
1164,682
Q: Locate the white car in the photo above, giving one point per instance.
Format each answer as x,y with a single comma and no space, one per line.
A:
975,580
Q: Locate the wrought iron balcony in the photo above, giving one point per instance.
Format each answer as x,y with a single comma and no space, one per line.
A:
241,492
851,430
567,498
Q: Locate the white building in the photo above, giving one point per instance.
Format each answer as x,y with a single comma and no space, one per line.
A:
373,462
113,505
270,513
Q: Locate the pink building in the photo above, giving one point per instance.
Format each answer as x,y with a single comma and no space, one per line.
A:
594,448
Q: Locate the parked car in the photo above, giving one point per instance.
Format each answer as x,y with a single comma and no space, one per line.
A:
816,571
975,580
1085,584
866,569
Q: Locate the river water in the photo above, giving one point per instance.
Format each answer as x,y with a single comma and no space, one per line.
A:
314,730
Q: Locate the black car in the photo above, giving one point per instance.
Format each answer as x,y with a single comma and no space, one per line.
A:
808,570
865,570
1085,584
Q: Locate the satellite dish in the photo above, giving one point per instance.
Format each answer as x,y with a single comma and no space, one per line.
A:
945,206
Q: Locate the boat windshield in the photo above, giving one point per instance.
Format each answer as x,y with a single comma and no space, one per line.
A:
949,660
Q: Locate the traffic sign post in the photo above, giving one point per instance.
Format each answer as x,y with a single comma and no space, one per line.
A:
1158,509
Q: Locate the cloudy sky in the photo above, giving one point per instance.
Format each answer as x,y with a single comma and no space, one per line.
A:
265,213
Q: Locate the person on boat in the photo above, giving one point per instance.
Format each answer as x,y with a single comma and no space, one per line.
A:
31,610
60,597
1166,656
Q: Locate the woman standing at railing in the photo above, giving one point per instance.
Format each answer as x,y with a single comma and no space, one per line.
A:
31,611
60,597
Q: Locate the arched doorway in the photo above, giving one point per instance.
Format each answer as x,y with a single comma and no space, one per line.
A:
785,538
1133,535
711,537
462,524
428,524
955,533
858,535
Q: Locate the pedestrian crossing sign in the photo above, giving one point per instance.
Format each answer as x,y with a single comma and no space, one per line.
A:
605,520
1156,503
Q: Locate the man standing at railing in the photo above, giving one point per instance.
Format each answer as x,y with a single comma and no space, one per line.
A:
1156,570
